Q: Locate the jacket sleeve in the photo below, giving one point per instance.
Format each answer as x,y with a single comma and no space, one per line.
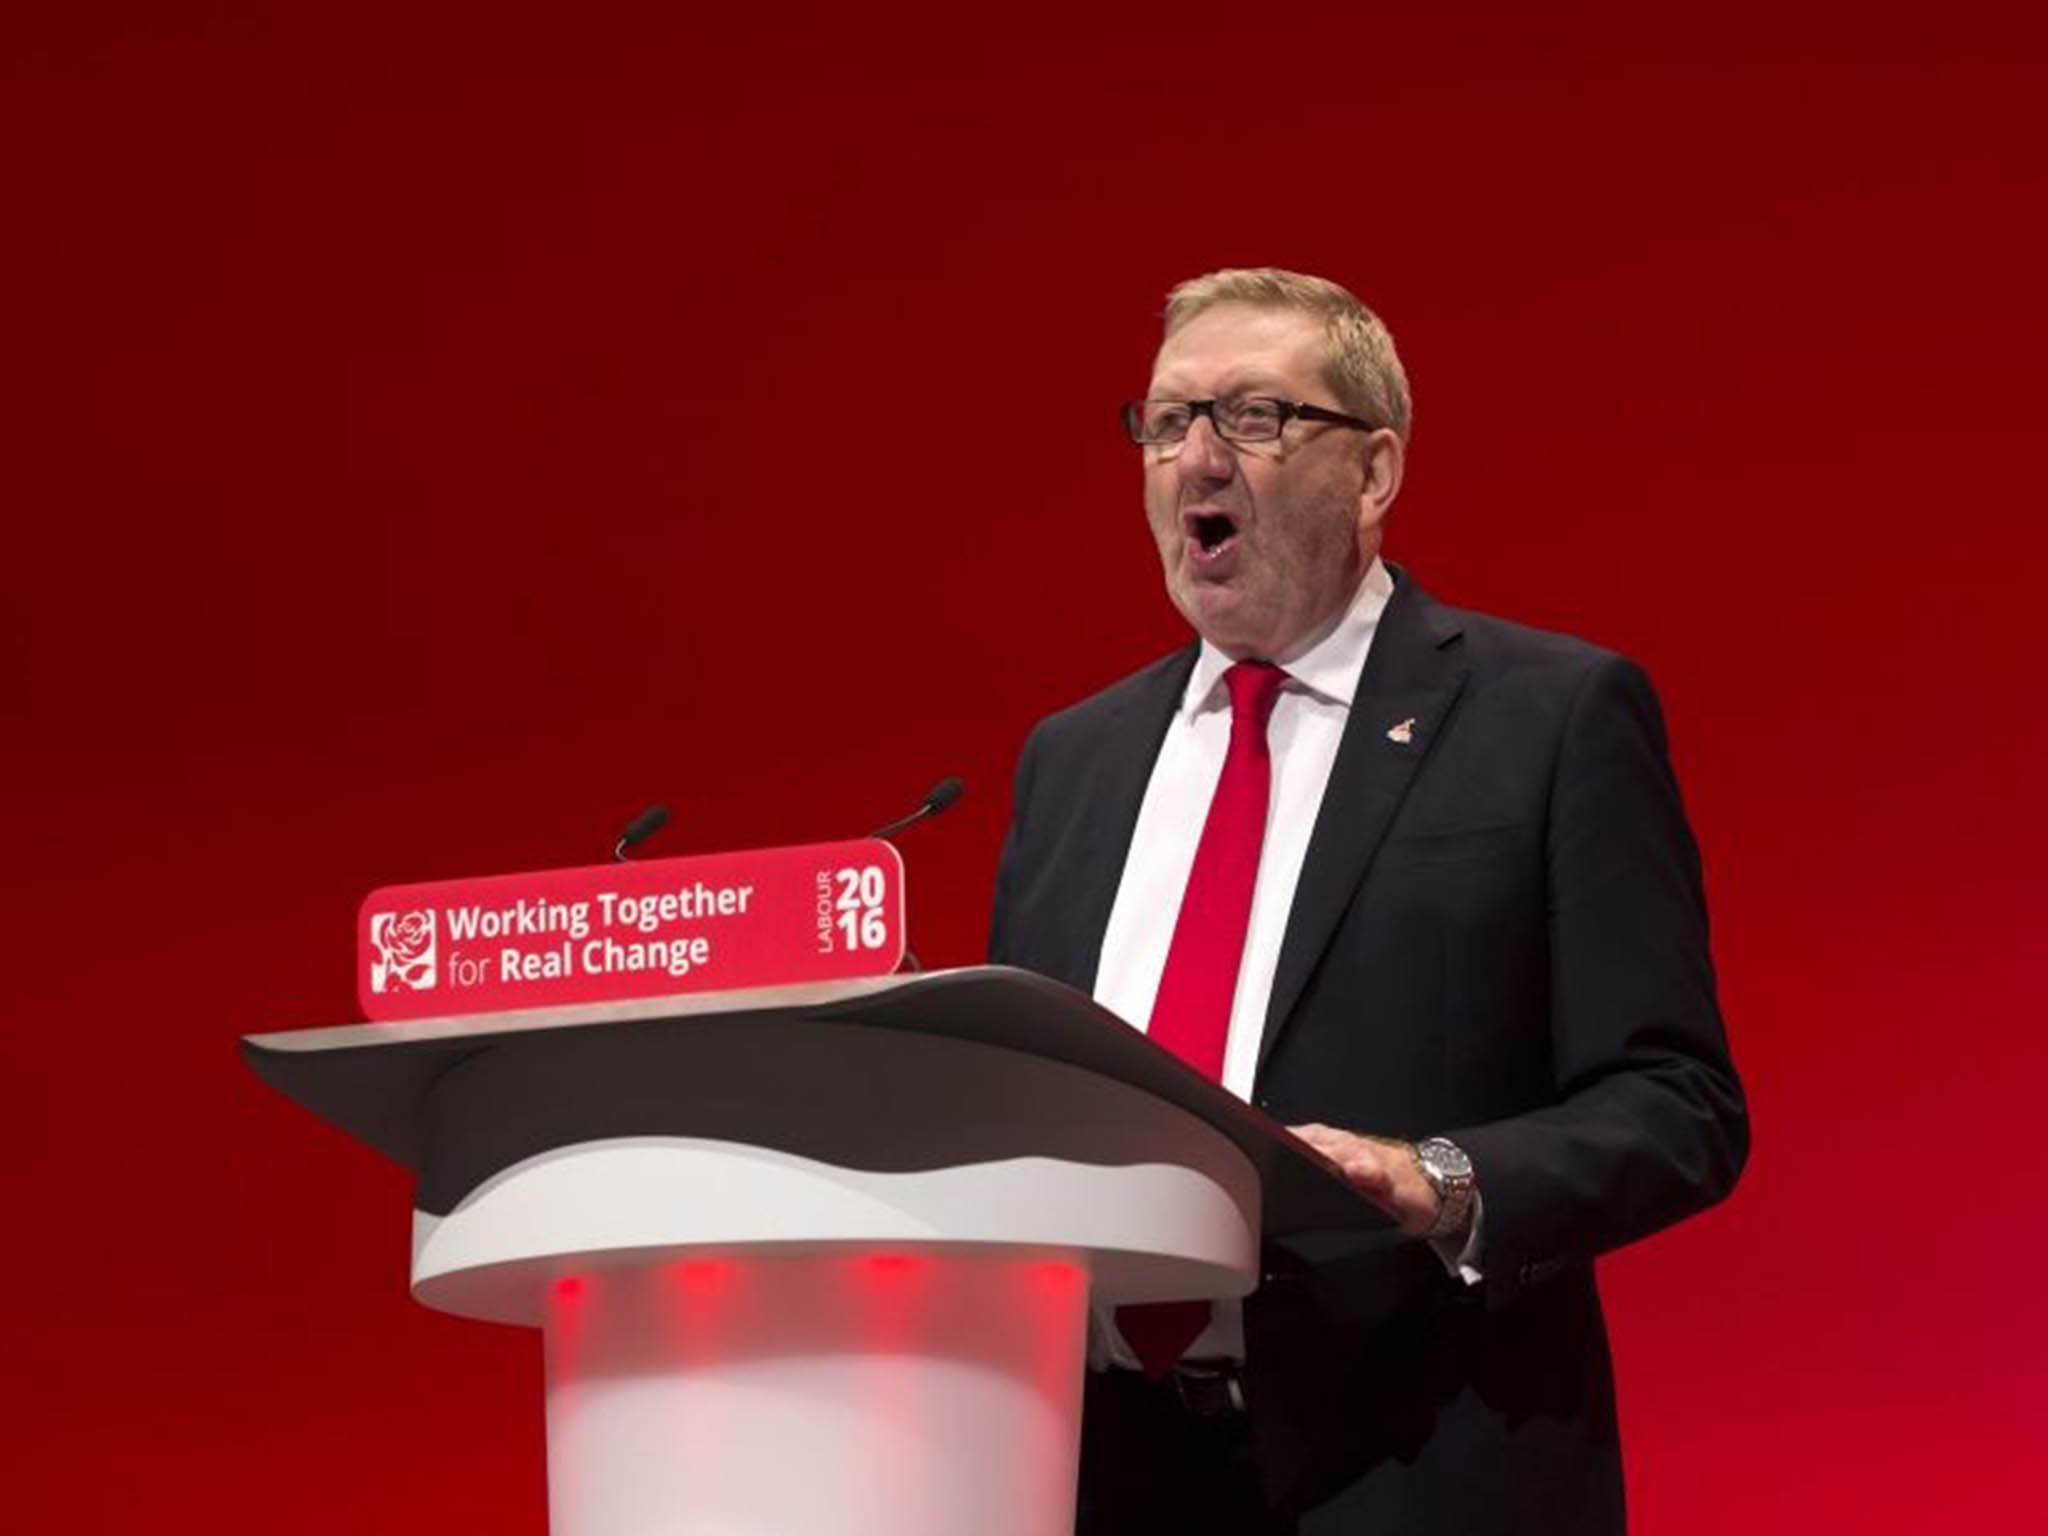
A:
1649,1124
1002,948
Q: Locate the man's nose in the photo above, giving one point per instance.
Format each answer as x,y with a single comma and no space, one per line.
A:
1204,455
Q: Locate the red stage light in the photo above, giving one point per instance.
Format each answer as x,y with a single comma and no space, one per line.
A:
698,1276
1056,1276
893,1263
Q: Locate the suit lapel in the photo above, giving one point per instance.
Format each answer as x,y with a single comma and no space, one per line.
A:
1413,675
1120,771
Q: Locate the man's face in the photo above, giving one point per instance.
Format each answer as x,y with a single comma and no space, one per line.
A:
1263,544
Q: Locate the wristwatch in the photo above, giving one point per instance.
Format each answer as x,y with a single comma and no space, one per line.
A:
1449,1172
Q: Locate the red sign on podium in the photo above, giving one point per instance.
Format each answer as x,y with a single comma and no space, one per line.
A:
653,927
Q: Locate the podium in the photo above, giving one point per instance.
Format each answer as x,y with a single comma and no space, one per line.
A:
815,1258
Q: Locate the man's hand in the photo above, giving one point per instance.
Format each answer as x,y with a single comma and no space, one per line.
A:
1384,1171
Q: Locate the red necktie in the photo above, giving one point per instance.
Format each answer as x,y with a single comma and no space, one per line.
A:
1191,1013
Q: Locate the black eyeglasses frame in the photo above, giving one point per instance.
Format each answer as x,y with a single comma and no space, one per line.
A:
1289,410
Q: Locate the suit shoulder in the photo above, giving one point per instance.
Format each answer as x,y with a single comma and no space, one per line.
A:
1166,676
1543,680
1499,646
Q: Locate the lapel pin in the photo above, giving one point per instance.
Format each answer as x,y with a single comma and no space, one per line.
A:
1402,732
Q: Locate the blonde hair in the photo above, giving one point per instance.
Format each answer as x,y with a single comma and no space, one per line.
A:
1359,361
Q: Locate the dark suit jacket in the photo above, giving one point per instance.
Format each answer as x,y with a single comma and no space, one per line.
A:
1499,936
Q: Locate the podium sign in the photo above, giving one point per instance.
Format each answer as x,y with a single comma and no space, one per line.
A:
653,927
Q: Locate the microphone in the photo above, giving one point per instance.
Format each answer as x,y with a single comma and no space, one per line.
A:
938,798
639,829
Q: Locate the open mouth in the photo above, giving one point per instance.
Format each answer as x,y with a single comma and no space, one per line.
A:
1211,532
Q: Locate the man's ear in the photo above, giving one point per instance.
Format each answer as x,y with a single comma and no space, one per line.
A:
1386,458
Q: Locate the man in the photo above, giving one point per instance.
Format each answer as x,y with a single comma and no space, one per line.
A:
1418,883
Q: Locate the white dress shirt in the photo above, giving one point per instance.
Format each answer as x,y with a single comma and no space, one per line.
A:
1302,735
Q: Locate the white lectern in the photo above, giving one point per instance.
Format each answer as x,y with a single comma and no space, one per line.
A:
818,1258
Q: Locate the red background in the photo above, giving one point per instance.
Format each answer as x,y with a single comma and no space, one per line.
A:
431,439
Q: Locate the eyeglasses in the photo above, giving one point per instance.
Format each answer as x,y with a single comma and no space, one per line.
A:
1248,419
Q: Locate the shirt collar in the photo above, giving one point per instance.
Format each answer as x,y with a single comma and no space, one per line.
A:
1329,669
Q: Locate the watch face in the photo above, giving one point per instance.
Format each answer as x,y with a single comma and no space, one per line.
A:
1446,1159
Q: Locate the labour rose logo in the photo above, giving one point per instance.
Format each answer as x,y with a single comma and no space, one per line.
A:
405,951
